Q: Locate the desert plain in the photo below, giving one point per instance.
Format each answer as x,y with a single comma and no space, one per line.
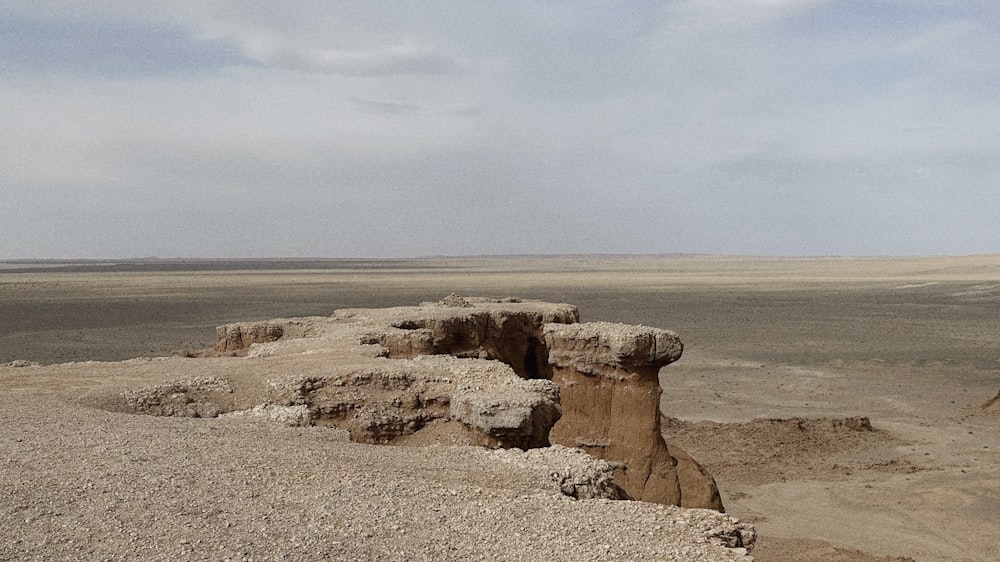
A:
842,405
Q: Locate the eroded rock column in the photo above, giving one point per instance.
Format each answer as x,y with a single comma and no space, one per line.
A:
610,396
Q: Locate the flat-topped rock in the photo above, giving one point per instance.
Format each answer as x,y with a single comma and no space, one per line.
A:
611,349
608,379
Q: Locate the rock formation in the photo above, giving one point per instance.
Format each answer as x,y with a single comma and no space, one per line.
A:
507,330
188,398
384,401
239,337
608,380
500,373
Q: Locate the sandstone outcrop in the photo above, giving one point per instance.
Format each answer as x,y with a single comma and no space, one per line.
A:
204,397
239,337
507,330
500,373
383,401
608,380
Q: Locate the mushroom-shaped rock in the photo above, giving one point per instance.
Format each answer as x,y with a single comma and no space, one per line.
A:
610,394
613,350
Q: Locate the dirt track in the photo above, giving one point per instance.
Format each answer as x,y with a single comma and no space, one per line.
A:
912,344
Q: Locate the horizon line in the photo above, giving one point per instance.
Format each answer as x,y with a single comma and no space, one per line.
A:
150,259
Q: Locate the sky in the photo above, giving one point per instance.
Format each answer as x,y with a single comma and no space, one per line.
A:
319,128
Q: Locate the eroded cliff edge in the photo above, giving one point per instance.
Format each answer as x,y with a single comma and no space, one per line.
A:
501,373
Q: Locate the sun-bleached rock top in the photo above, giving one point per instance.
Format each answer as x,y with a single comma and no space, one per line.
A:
596,347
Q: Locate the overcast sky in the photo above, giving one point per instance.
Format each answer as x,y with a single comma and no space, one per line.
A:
250,128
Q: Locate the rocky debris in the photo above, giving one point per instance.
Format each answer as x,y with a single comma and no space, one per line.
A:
81,484
506,410
187,398
456,301
579,475
728,531
610,395
20,363
290,416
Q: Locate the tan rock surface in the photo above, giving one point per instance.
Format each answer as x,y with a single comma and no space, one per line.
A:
608,378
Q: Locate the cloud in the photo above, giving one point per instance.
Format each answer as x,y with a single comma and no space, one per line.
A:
705,14
384,107
98,50
387,61
383,129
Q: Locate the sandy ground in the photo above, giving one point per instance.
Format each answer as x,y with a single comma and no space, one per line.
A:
778,353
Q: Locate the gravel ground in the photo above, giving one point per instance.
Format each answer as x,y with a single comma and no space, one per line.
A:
88,484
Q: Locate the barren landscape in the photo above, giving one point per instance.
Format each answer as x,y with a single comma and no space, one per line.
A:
842,405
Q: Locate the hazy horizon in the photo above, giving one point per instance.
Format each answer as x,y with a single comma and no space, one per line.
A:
384,130
623,255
